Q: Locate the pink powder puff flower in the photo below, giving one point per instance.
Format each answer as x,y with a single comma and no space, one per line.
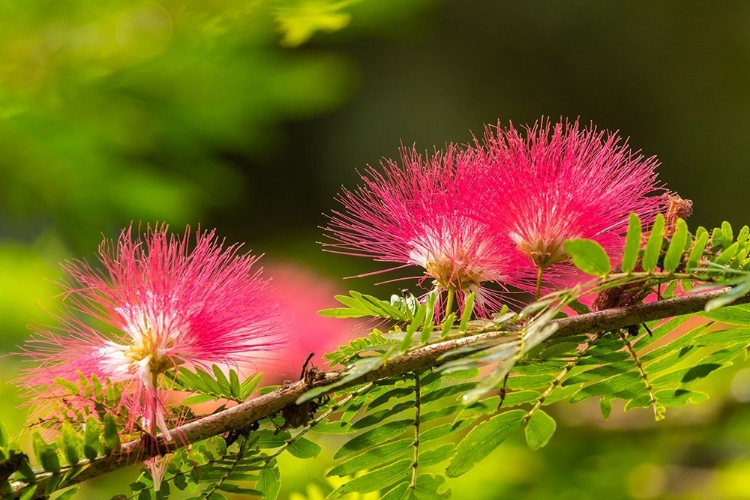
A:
423,213
560,182
159,305
303,292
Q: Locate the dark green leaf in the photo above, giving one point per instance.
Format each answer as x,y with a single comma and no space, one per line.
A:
45,454
652,252
539,429
70,443
304,448
374,457
380,416
110,436
269,483
399,492
375,480
632,244
605,405
676,246
373,437
437,455
397,392
91,445
233,488
588,256
483,439
679,397
3,436
428,487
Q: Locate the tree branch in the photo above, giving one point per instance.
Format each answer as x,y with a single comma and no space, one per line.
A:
422,358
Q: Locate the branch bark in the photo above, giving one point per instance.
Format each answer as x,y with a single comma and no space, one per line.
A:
429,356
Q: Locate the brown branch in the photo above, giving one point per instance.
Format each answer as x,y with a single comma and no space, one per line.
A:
422,358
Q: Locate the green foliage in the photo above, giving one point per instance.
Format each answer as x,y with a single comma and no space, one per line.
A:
448,417
632,244
652,251
588,256
360,305
214,385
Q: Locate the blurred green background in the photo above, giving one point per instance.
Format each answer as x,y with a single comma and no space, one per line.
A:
248,115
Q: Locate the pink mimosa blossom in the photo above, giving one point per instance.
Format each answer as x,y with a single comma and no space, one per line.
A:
155,305
561,182
302,293
423,213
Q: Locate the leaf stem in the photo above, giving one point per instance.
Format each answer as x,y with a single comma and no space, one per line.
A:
658,410
561,376
449,300
539,275
415,444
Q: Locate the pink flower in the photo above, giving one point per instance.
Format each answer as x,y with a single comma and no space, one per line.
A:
302,293
560,182
423,213
155,305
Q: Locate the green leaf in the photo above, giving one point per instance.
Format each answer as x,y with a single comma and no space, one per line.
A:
67,495
605,405
679,397
373,457
91,445
28,493
727,255
735,293
632,244
428,487
375,480
436,455
248,386
735,315
45,454
234,385
70,443
304,448
588,256
198,399
399,492
676,246
233,488
111,438
539,429
727,234
373,437
466,314
483,439
3,436
652,252
269,483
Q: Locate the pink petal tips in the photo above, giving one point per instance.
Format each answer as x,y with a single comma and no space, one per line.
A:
424,213
560,182
151,305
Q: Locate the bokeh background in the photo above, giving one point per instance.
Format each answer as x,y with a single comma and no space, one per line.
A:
248,116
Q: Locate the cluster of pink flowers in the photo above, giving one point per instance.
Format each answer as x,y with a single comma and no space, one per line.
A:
499,210
155,305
